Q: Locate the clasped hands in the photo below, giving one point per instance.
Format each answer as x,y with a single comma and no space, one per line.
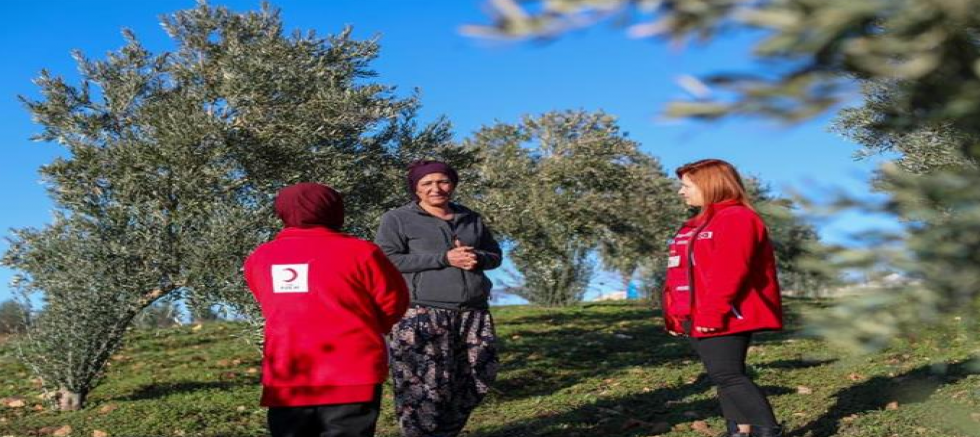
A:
463,257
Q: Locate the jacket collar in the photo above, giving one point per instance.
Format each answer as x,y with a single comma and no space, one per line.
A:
710,211
459,210
316,231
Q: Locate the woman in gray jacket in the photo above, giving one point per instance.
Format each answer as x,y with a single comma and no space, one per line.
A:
443,350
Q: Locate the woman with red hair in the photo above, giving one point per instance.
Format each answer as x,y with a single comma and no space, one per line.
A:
721,287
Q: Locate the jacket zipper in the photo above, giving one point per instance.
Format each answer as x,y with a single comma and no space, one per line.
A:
452,245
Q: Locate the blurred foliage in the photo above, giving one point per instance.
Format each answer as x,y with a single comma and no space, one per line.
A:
172,162
795,243
815,55
810,49
923,150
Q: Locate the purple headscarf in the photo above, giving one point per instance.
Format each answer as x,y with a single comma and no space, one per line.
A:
418,169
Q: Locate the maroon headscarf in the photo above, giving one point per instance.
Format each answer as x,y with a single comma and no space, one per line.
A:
418,169
308,204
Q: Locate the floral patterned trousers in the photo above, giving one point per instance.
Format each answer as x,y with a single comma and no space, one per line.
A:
443,362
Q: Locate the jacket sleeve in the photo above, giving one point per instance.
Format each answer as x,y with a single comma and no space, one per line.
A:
488,254
735,239
387,288
392,241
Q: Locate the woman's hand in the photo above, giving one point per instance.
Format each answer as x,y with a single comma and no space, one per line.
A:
705,330
463,257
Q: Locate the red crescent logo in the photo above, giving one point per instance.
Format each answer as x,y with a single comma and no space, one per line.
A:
295,275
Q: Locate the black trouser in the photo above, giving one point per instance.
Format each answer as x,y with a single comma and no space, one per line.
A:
340,420
741,400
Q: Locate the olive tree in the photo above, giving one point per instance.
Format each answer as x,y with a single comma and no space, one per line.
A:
558,187
171,164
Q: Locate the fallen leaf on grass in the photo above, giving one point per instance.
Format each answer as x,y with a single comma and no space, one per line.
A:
99,433
64,431
855,377
702,427
14,402
108,408
893,405
804,390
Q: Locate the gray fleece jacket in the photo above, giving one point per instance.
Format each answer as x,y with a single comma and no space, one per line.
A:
417,242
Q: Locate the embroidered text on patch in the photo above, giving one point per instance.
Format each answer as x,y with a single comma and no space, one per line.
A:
290,278
705,235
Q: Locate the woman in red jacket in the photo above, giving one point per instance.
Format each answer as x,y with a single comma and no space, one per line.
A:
328,299
721,287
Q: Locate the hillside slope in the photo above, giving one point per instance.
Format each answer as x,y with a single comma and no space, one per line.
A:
592,370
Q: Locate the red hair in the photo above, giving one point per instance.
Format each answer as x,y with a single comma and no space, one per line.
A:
717,180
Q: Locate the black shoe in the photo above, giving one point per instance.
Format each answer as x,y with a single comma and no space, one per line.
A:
762,431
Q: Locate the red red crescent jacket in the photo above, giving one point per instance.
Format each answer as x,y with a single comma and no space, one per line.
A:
327,298
730,261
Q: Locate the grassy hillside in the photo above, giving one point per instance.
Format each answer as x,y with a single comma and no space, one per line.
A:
592,370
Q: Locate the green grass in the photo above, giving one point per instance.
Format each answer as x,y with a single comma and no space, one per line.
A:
591,370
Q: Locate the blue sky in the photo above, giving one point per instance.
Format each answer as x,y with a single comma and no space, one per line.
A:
471,82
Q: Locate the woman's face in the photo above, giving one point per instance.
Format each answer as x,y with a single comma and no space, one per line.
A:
434,189
690,192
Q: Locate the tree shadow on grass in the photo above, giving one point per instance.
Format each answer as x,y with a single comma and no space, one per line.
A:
914,386
635,415
799,363
161,390
545,353
627,416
